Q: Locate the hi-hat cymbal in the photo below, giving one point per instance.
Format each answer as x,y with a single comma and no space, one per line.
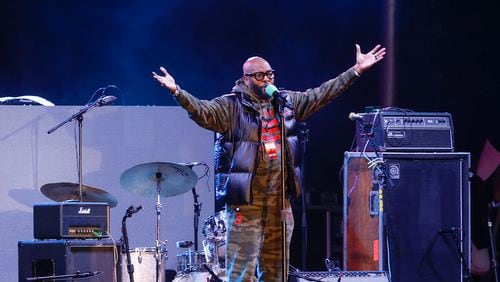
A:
173,178
64,191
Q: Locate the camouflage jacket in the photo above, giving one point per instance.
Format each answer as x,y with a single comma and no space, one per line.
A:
236,121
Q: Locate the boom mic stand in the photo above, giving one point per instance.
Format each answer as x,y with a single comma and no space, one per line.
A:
102,101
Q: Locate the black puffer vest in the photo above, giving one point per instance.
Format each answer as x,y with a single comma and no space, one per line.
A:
236,152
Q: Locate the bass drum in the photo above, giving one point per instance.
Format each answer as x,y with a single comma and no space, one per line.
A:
144,261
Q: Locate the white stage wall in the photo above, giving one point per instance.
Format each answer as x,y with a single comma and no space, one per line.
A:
115,138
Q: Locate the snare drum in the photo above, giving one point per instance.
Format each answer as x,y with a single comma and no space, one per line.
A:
144,261
190,261
214,227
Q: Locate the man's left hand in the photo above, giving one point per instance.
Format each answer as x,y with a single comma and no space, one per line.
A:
366,61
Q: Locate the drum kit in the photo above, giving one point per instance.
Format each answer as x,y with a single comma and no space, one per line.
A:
160,180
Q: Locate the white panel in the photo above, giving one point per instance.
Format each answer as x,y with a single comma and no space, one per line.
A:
114,139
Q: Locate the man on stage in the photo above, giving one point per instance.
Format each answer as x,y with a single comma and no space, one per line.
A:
248,157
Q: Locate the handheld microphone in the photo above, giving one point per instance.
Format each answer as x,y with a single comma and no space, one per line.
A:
105,100
355,116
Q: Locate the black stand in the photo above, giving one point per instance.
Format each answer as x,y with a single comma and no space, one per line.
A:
77,275
280,103
304,138
494,265
79,117
197,210
158,257
130,267
214,277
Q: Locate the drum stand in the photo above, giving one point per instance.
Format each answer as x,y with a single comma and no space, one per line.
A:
196,223
158,177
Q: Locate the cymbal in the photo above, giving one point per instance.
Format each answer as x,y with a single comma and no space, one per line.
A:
174,179
63,191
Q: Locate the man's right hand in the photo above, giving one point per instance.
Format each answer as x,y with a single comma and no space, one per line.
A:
166,80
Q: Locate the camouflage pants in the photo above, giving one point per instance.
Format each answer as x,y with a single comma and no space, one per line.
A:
254,239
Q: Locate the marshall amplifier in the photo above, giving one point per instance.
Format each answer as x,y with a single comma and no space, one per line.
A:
336,276
58,220
403,131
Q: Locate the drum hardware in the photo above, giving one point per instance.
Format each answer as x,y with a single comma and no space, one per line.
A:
184,244
215,227
146,180
214,230
190,261
66,191
215,254
196,221
214,276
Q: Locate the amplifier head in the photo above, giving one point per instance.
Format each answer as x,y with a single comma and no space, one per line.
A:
404,131
57,220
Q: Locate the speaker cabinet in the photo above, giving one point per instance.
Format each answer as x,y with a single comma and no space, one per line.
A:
425,203
42,258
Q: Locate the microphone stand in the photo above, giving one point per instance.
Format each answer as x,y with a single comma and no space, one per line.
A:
77,275
130,266
304,138
79,117
197,210
494,265
281,104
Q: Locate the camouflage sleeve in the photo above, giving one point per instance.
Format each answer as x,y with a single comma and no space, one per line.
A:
209,114
310,101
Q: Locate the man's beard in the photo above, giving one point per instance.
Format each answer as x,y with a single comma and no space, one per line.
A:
259,91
